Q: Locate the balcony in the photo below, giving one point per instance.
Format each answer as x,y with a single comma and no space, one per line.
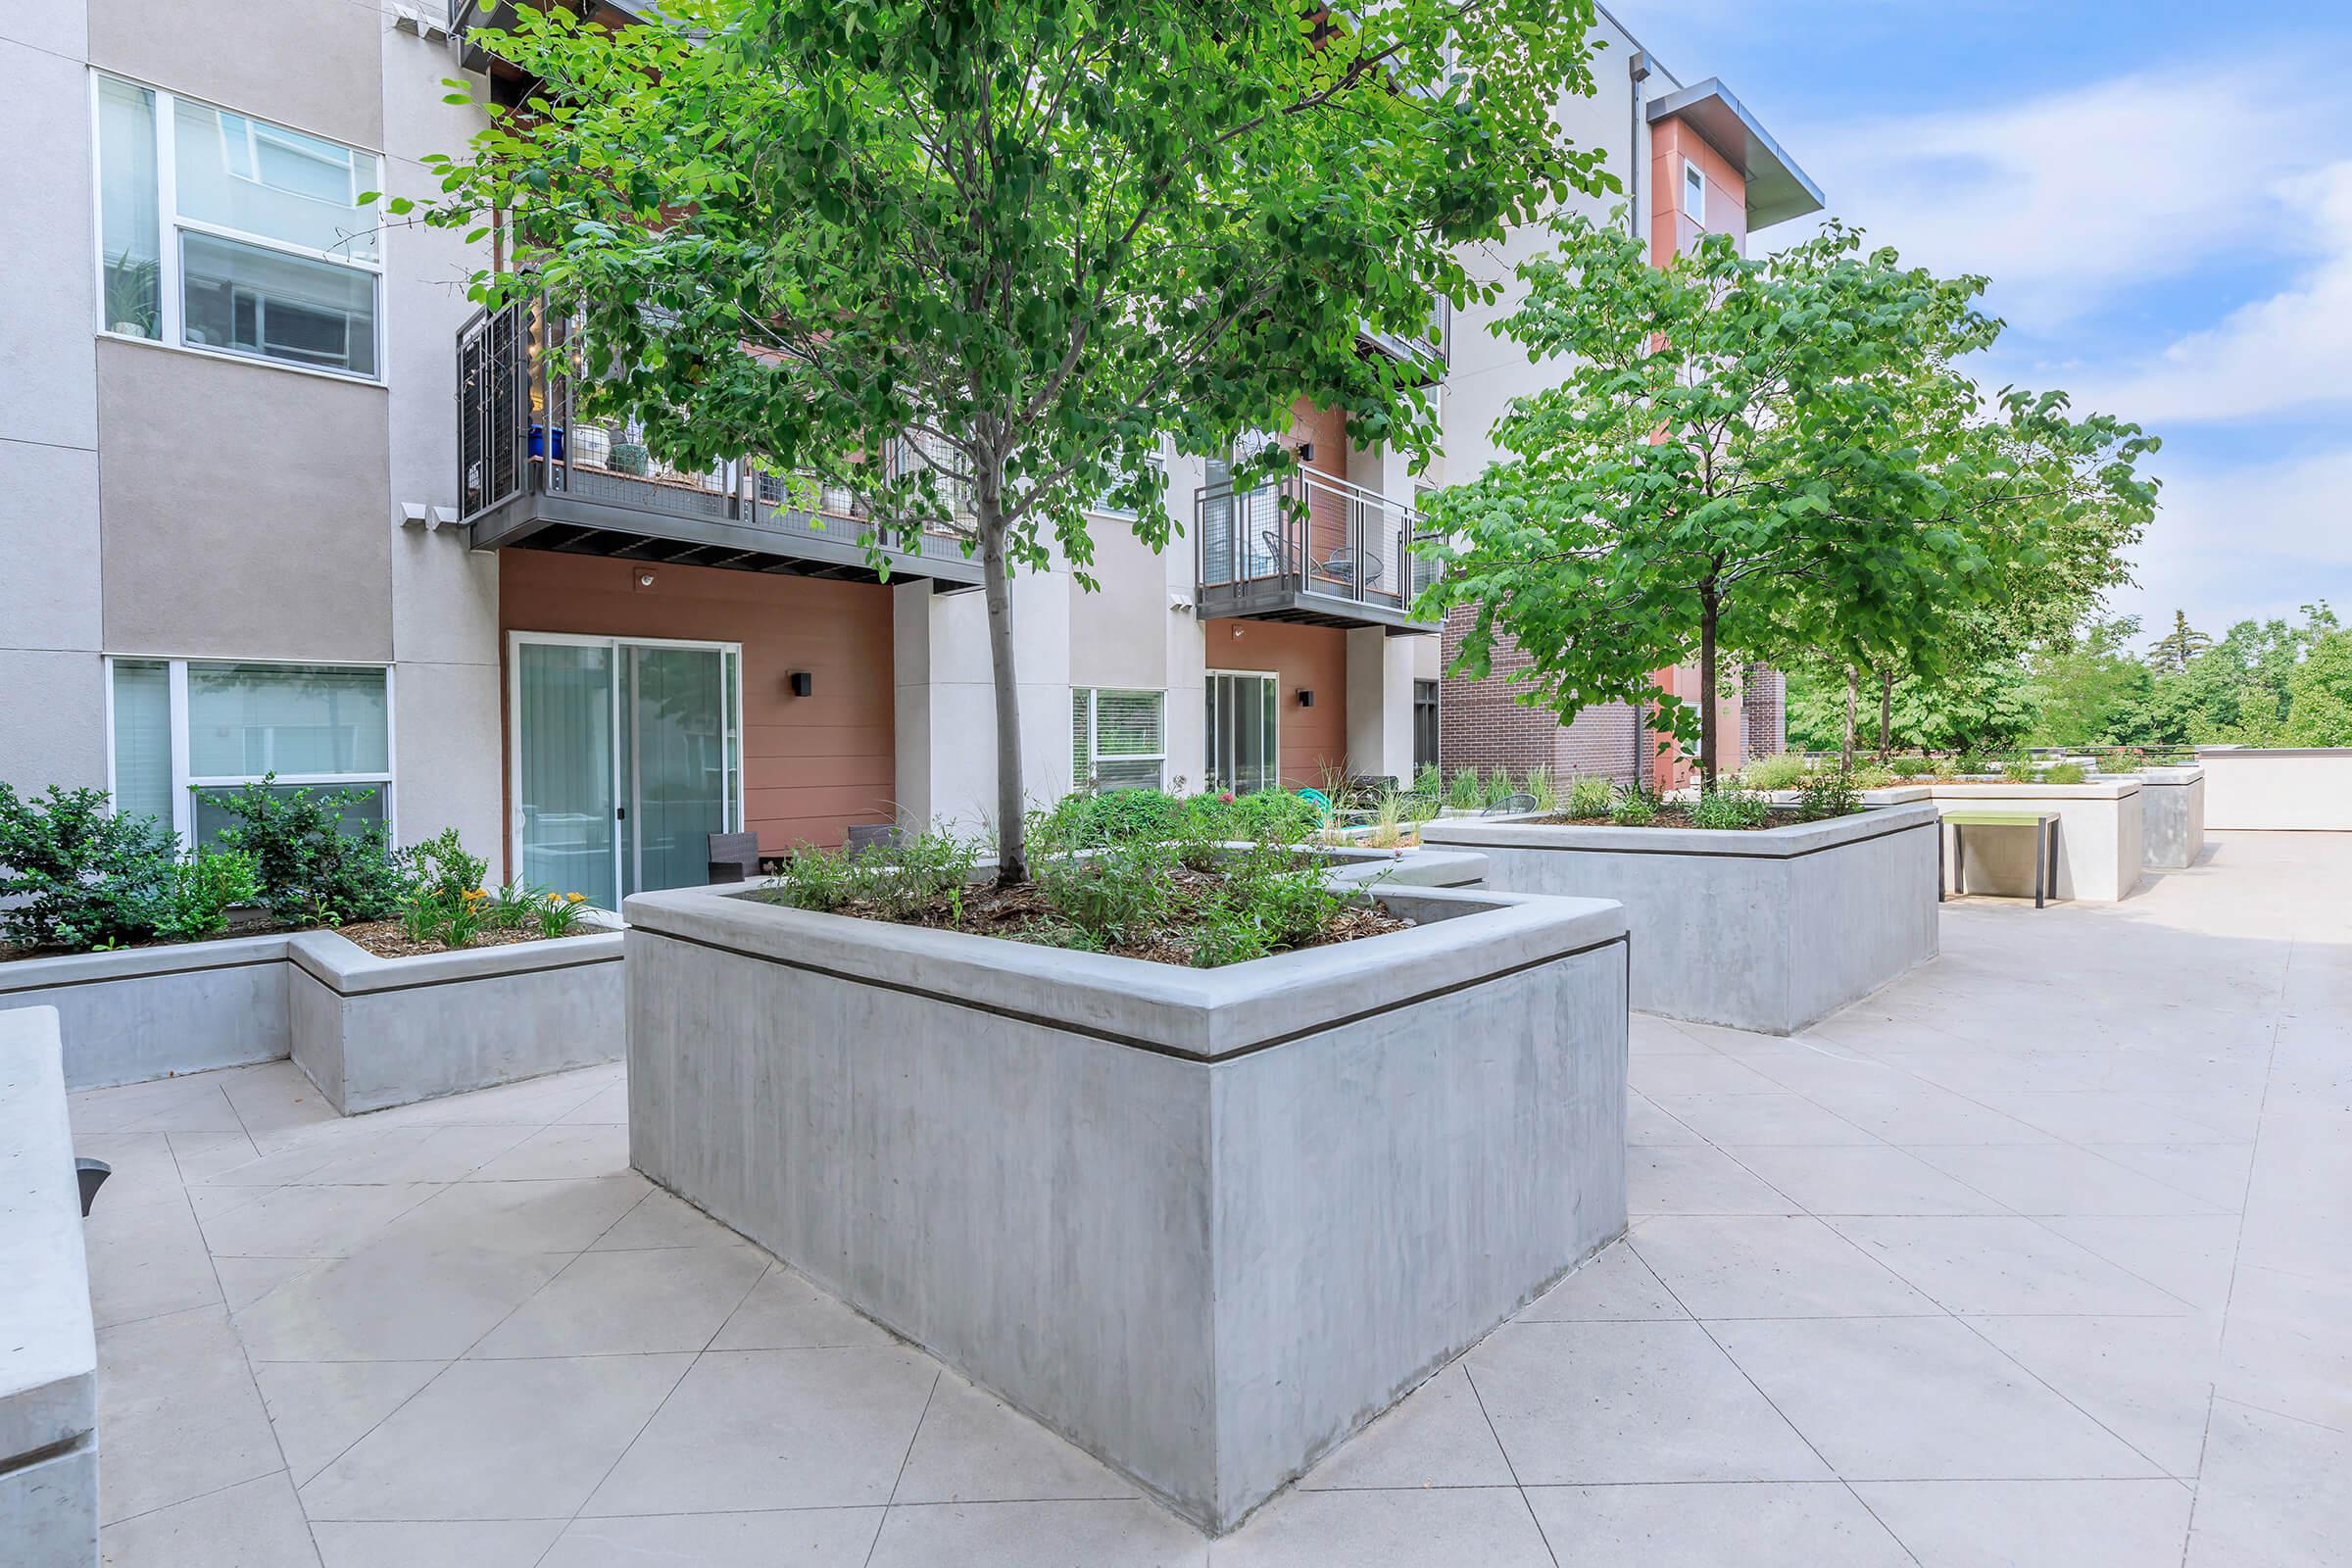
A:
533,473
1308,549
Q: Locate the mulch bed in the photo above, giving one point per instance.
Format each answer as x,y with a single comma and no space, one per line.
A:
1023,913
1668,817
387,940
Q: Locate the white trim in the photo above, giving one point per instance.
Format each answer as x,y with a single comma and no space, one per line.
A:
1094,732
1273,678
1694,185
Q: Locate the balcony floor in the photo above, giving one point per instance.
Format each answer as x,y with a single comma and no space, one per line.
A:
2042,1255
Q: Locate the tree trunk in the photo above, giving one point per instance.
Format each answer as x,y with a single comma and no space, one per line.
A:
1012,850
1885,714
1853,692
1709,719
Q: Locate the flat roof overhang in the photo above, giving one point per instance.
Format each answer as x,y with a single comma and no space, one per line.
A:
1776,189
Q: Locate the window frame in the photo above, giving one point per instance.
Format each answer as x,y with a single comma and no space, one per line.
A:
1093,731
1694,192
1272,681
171,267
184,784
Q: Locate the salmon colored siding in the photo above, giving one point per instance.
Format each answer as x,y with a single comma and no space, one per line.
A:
1327,513
813,766
1302,657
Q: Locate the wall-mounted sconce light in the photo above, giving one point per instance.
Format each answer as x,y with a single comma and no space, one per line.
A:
645,580
1306,699
1306,452
1236,633
800,683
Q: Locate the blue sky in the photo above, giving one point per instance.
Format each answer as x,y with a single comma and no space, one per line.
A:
2161,195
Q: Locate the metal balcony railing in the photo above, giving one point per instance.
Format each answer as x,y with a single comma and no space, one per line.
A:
1308,534
520,433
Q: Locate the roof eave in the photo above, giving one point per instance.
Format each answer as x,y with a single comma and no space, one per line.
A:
1778,190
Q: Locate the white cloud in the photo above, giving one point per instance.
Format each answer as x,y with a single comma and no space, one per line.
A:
2246,540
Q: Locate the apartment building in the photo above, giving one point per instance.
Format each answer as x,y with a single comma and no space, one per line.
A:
1694,161
278,500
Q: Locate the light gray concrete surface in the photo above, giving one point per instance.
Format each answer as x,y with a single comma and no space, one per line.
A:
2100,854
1202,1223
2171,816
374,1032
2306,790
2037,1259
48,1347
1769,929
144,1013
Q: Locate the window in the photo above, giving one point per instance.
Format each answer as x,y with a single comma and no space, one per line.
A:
1108,507
1245,743
1425,724
219,231
1116,740
186,730
1694,193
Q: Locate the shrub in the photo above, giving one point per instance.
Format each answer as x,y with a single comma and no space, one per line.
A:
515,905
1497,789
204,888
560,913
1590,794
1114,894
1276,816
74,873
2122,760
312,872
1781,771
444,901
1080,821
1973,763
1271,897
1633,809
1828,795
1541,788
1872,776
895,883
2065,773
1909,766
2022,771
1428,781
1730,808
1464,792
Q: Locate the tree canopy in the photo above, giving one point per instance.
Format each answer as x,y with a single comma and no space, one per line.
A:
1772,458
1043,237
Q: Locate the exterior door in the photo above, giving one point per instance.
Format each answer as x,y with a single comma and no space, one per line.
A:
1243,741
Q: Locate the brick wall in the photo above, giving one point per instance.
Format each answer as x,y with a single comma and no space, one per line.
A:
1763,711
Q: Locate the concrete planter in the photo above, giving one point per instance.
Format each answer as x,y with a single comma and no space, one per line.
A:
2277,788
373,1032
2171,816
143,1013
2100,844
1769,929
48,1350
1204,1223
1416,867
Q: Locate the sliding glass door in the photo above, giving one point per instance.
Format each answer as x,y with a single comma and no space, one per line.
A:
1243,743
626,760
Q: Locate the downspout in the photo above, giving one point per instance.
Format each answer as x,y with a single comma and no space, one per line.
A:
1637,67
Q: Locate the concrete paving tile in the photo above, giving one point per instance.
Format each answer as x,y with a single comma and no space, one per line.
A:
537,1216
1928,1116
1712,1074
533,1102
2284,1349
1770,1265
2272,1493
1808,1524
1646,1123
473,1543
2034,1524
2191,1256
253,1525
774,1429
178,1415
596,1149
974,1447
1762,1119
1432,1528
2059,1179
142,1162
1614,1284
630,1303
203,1155
146,1257
301,1221
1881,1179
246,1280
321,1409
786,1312
609,1105
2214,1172
2004,1265
409,1301
498,1440
2148,1380
1648,1035
374,1155
664,1220
274,1098
1912,1399
802,1538
2109,1117
1436,1436
1697,1180
1580,1403
192,1103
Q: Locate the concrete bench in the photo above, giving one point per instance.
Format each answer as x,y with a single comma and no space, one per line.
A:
48,1350
2044,826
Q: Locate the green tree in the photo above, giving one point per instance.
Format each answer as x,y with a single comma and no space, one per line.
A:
1039,236
2171,653
1768,458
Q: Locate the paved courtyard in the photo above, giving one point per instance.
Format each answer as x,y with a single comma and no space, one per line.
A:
2041,1256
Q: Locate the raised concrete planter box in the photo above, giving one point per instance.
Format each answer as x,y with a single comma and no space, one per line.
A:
373,1032
48,1352
2277,788
1204,1223
2171,816
1416,867
2099,845
1770,929
147,1011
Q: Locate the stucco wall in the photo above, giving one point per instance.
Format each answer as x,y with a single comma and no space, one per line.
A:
311,66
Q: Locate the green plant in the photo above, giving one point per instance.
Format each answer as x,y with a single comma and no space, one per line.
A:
1388,819
1276,816
1784,770
514,905
1116,894
1545,794
133,294
1270,898
1464,792
1828,795
2065,773
1729,809
443,898
811,878
1872,776
2122,760
1497,789
1225,936
2025,770
1590,794
1910,766
911,875
1428,781
74,873
204,888
559,915
1634,808
316,862
1969,763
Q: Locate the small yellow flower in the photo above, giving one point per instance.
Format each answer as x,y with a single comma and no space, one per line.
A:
576,898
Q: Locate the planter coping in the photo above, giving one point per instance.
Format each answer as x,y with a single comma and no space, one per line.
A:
2187,773
1782,843
1469,936
132,964
49,1354
2112,788
348,970
2240,753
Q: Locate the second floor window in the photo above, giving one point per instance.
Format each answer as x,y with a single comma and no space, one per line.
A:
220,232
